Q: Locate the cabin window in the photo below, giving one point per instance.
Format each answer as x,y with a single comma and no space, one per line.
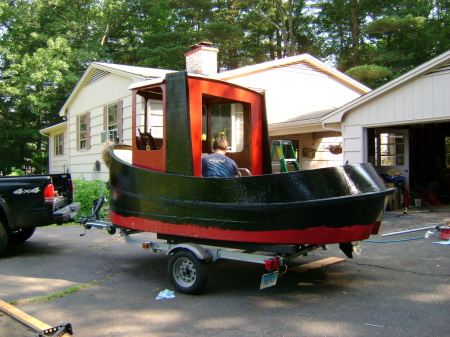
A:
83,131
225,120
150,123
155,118
59,144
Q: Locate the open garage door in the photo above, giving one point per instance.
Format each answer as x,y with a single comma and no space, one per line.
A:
421,152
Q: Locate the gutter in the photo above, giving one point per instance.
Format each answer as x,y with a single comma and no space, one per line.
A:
324,125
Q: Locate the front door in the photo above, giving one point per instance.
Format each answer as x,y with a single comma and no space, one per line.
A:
391,152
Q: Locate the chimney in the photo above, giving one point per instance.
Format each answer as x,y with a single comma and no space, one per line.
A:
202,59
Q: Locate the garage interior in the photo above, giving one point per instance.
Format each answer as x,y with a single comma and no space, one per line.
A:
429,161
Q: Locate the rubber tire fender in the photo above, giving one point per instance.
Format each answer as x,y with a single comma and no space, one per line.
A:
4,236
21,235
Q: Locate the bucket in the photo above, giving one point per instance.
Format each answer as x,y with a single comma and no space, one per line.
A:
418,202
444,233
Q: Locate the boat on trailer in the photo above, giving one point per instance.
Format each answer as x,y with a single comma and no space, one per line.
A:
156,183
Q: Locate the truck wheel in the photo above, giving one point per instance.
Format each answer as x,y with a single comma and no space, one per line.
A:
187,273
4,237
21,235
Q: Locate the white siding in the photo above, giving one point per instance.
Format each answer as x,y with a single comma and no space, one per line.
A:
58,164
92,98
424,99
291,93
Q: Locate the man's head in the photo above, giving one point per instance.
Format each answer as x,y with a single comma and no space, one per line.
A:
220,143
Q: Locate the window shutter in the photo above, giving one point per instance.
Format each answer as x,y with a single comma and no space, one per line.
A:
62,143
105,117
78,133
52,144
88,130
119,120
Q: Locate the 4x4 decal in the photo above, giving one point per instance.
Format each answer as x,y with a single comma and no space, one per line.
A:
23,191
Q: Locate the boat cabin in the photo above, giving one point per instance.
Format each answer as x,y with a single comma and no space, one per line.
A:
176,120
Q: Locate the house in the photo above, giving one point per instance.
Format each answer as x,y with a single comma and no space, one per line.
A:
96,110
403,128
299,91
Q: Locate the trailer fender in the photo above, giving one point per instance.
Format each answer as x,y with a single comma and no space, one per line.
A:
199,252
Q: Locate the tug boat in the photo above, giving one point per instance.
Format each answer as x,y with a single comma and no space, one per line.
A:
156,184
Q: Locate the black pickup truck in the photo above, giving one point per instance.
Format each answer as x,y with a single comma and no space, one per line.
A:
27,202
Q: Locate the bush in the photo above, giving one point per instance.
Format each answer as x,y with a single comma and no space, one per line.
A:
86,192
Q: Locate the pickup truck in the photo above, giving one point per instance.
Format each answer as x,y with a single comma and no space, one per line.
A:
27,202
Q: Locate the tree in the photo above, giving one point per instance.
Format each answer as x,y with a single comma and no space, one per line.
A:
37,71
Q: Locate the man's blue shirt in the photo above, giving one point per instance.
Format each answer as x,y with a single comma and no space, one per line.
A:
218,165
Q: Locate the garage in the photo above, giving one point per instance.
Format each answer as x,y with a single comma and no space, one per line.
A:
403,128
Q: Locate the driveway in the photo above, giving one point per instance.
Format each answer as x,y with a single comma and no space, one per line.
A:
391,289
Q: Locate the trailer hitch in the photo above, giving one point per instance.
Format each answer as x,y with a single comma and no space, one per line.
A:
56,331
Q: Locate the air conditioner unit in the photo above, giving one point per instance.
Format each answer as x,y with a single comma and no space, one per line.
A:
109,135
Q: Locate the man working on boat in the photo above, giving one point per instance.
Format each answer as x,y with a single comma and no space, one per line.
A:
217,164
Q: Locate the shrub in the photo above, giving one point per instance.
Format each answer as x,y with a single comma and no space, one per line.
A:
87,191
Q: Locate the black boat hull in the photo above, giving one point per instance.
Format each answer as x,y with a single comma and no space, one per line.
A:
323,206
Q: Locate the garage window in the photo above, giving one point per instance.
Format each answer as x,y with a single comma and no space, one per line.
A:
390,149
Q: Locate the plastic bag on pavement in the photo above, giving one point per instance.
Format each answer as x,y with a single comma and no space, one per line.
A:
165,294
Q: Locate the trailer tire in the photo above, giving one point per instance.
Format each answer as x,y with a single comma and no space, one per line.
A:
4,237
21,235
187,273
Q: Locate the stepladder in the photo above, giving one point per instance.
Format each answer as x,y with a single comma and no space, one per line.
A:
286,155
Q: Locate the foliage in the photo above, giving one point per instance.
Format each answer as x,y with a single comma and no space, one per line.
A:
86,192
46,45
369,74
16,172
333,147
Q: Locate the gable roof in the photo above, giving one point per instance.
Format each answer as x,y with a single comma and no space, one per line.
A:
293,63
53,128
310,121
436,65
99,70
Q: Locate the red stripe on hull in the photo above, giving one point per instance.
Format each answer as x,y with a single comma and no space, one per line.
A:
317,235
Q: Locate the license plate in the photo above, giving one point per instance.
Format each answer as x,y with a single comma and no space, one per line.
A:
269,280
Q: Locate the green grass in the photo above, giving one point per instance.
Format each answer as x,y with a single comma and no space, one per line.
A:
59,294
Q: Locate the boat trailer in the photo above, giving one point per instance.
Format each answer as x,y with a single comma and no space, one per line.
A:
189,257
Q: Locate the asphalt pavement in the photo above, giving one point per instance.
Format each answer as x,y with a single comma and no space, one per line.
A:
391,289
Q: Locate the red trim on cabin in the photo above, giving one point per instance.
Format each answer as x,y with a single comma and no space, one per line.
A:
199,87
150,159
316,235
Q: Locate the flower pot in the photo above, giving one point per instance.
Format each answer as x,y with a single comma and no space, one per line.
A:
337,150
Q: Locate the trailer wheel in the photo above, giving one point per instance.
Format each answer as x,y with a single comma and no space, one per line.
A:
21,235
187,273
4,237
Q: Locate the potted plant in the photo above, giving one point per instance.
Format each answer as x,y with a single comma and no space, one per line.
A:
334,148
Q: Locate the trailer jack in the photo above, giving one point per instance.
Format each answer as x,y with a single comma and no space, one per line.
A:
56,331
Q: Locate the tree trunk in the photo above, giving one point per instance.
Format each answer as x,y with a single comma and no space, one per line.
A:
355,31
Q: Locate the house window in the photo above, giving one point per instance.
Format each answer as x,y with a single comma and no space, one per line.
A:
113,122
59,144
83,131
